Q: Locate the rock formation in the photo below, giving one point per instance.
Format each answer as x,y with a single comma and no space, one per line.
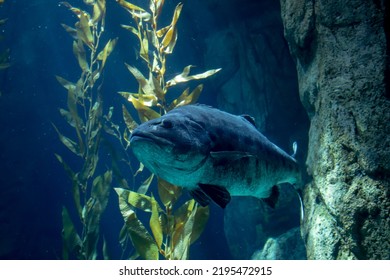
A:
341,50
288,246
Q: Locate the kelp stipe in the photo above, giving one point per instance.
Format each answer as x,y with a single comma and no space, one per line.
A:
84,114
172,231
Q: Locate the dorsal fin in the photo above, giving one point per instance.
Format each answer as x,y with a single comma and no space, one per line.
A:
249,119
295,147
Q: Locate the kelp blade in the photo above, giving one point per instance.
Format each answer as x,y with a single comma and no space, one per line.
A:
168,193
143,242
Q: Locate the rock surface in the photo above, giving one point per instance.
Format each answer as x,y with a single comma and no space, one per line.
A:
340,51
288,246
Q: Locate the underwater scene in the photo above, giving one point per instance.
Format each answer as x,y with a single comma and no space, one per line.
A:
194,129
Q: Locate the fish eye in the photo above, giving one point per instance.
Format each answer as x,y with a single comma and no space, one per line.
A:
167,124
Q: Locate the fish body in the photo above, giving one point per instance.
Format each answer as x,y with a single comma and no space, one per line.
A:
213,154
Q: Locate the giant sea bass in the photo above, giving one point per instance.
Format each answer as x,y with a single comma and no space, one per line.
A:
214,155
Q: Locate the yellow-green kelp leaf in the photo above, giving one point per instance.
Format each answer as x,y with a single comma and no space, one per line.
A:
170,38
99,10
131,124
148,100
75,184
67,116
140,169
107,51
184,223
155,85
183,212
70,144
135,10
72,106
151,89
79,52
138,76
129,6
140,201
152,37
144,16
184,76
155,224
161,32
70,30
143,242
144,112
65,83
75,10
144,48
71,240
101,189
84,30
185,98
168,193
131,29
200,220
145,185
156,7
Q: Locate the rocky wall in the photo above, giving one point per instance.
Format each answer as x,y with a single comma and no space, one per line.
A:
341,55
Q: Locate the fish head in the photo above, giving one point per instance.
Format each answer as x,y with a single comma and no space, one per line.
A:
173,143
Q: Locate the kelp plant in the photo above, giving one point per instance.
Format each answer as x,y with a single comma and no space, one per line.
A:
174,228
84,114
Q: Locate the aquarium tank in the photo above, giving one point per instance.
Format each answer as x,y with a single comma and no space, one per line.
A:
194,130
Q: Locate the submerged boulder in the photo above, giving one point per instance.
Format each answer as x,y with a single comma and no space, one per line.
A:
288,246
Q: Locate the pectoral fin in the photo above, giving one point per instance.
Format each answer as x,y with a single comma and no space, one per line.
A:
273,198
216,193
200,197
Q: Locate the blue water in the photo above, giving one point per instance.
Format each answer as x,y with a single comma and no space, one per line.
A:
33,185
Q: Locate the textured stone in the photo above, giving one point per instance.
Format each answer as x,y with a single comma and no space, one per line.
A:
288,246
340,53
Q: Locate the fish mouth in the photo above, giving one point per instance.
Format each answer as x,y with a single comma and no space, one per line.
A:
142,136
